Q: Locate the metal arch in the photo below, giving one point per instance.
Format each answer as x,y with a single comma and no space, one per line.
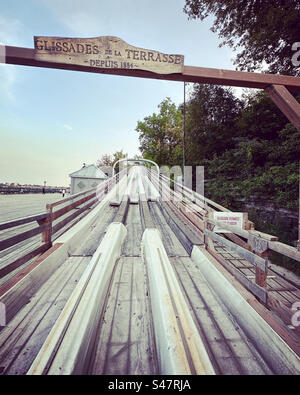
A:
135,160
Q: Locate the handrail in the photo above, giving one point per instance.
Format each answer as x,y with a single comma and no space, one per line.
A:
81,201
135,160
22,220
256,247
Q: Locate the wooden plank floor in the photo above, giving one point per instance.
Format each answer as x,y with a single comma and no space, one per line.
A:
279,289
170,241
125,344
125,339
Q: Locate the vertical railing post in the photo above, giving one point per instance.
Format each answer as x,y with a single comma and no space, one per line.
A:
47,234
260,247
260,275
205,226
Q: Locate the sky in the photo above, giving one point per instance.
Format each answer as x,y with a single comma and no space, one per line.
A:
53,121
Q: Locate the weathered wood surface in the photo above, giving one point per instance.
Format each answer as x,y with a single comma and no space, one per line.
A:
278,288
106,52
125,343
21,221
12,238
25,258
26,57
132,245
226,342
21,340
267,315
170,241
286,102
242,252
97,233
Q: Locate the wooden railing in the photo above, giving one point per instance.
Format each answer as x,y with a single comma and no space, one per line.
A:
14,240
246,242
57,219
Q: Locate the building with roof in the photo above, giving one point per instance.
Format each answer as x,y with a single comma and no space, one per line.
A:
88,177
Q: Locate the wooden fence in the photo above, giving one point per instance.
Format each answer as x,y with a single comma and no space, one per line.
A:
57,219
248,243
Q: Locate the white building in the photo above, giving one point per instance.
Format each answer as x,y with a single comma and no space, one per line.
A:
86,178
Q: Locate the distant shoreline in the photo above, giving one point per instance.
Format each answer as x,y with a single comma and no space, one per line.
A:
18,190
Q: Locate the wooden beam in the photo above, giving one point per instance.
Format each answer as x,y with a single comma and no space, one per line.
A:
20,261
242,252
25,57
17,291
22,236
254,288
22,221
21,274
66,209
65,221
286,102
278,327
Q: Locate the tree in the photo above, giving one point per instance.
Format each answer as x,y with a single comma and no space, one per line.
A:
110,160
210,126
160,135
106,160
118,155
265,30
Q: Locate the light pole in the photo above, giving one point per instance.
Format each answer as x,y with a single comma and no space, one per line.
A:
183,148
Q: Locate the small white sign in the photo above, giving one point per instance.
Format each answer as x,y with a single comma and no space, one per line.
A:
228,218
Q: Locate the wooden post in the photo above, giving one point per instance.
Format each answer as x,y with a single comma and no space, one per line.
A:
261,248
47,234
286,102
260,275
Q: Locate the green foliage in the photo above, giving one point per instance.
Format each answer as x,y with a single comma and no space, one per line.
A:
248,149
161,134
211,115
264,161
265,30
110,160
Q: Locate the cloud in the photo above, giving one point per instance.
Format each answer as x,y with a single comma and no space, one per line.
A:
11,33
7,81
68,127
83,21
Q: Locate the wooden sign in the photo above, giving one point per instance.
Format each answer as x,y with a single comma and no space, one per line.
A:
228,218
105,52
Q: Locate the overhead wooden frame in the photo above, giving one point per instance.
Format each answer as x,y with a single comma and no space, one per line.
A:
278,87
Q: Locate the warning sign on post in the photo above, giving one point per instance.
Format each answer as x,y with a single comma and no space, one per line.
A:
229,219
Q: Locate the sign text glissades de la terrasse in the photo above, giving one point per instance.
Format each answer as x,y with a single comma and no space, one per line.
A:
105,52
